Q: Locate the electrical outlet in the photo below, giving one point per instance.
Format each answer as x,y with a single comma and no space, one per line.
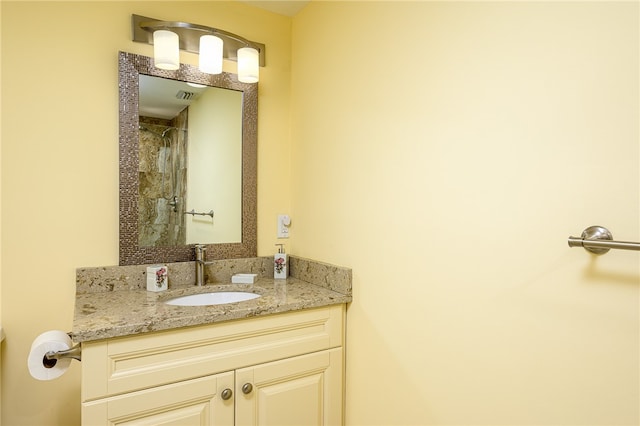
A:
283,225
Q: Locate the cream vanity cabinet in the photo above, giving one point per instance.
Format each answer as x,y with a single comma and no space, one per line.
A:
281,369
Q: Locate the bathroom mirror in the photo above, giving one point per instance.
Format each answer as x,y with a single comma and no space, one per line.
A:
176,206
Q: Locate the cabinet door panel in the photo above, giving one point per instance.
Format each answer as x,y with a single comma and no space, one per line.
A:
192,402
295,402
300,391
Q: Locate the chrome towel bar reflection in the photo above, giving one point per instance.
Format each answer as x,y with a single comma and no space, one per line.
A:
194,213
598,240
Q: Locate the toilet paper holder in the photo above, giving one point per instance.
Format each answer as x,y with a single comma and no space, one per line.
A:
51,358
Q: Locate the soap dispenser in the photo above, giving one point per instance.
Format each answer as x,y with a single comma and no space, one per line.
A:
280,264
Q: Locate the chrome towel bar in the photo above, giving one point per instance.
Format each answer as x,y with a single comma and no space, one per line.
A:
195,213
598,240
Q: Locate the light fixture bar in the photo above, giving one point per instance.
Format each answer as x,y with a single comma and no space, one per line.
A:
142,29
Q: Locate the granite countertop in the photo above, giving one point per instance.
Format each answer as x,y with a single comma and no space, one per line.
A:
124,312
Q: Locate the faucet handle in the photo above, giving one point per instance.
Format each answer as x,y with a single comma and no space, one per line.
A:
200,250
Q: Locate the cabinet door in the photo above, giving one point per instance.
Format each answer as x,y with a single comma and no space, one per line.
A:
192,402
299,391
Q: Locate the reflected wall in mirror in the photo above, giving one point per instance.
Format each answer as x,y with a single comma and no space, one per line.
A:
197,154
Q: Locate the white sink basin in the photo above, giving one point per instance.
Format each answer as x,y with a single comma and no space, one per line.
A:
215,298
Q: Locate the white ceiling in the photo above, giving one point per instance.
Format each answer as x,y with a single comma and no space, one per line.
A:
158,96
287,8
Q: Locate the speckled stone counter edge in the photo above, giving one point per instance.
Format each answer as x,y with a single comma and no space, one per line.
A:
182,274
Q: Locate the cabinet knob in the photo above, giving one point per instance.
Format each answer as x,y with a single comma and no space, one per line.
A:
247,388
226,394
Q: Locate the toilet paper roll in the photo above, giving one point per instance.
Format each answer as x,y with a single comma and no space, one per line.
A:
53,340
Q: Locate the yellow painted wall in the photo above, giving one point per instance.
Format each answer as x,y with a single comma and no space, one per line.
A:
60,164
445,159
2,332
445,151
214,172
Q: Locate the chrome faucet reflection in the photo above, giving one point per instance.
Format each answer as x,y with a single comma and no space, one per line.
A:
200,264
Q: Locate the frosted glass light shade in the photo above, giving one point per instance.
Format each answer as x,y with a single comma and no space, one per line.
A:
210,60
166,50
248,65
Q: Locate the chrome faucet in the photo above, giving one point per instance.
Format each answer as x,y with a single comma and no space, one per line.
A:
200,263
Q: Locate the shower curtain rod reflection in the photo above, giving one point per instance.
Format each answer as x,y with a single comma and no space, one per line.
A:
167,128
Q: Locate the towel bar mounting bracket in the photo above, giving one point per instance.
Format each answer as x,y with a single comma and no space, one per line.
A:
598,240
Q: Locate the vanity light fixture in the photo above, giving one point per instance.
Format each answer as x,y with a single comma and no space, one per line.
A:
211,44
210,58
166,52
248,68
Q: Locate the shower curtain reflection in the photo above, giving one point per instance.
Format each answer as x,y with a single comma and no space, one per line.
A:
162,177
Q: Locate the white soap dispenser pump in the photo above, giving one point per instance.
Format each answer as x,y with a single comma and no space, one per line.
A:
280,264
